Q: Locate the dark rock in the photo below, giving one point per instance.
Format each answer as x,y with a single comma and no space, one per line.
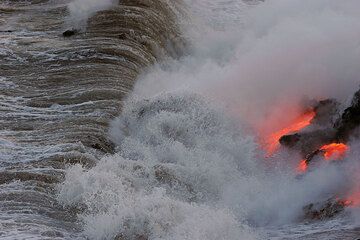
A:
308,142
322,131
326,112
290,140
311,156
104,146
323,210
349,120
123,36
69,33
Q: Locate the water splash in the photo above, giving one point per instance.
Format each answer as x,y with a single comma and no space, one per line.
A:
175,157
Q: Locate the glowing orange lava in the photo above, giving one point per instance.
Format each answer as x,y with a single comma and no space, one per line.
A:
353,200
272,142
345,202
334,151
302,167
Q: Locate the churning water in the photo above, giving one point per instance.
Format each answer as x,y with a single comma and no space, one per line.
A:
146,123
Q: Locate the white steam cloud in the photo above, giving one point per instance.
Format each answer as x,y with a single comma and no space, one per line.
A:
279,52
186,170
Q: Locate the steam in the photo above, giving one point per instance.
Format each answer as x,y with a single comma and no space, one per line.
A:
175,156
189,168
81,10
280,52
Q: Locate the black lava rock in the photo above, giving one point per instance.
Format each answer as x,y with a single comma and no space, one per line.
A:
349,120
326,111
69,33
323,210
290,140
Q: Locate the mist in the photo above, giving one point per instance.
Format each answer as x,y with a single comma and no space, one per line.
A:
197,119
81,10
265,59
261,63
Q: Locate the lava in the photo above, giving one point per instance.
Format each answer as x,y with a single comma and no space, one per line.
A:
302,167
272,142
334,151
345,202
352,201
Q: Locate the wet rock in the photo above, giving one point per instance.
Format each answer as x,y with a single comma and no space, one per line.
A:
69,33
104,146
349,120
323,210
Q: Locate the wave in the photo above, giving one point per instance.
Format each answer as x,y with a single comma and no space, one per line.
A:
175,156
180,161
58,94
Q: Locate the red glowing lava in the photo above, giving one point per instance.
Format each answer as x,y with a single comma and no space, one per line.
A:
351,201
302,167
334,151
354,200
272,141
345,202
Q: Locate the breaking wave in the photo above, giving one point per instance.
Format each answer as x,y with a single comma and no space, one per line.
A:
175,156
145,120
184,170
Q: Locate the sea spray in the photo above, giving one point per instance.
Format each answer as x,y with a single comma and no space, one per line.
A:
175,155
178,159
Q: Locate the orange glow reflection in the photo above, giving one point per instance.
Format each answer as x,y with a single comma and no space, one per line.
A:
353,200
302,167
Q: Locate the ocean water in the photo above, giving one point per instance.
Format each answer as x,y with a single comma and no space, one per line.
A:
147,123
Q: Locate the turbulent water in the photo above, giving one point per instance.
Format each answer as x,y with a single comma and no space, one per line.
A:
143,125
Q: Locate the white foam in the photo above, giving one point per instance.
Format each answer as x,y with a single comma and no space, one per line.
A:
185,169
175,155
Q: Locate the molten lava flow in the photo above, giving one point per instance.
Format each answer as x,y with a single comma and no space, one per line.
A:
345,202
299,123
334,151
352,201
302,167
